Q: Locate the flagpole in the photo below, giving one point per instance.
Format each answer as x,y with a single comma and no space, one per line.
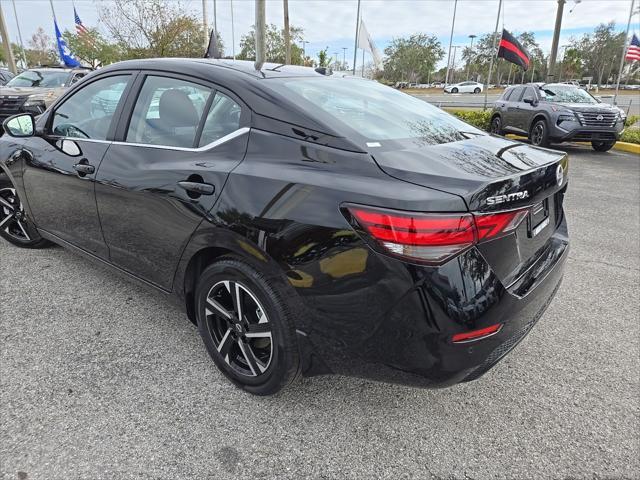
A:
355,48
453,23
233,35
24,55
624,51
53,11
495,37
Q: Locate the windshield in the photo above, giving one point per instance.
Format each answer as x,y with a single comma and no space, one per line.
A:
377,112
565,94
39,78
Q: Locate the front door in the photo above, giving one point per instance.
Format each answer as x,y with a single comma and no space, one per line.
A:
62,164
162,177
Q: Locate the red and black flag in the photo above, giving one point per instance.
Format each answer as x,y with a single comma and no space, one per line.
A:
511,50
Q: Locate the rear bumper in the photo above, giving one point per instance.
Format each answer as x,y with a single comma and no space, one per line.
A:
409,342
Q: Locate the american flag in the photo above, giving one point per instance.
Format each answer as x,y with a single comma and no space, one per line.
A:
633,52
80,28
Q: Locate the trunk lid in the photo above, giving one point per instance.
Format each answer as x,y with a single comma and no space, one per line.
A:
491,174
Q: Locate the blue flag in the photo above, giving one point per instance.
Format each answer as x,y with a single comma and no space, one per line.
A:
65,54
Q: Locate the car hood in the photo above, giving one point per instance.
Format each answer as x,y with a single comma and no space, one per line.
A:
22,91
477,168
587,107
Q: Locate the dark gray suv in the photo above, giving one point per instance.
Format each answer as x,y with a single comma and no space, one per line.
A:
557,112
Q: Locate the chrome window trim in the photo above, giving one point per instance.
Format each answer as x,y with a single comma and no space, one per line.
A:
209,146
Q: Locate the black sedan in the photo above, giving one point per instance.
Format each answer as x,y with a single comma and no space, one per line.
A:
308,223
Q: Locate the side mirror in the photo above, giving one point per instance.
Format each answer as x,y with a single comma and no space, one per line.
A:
20,126
529,100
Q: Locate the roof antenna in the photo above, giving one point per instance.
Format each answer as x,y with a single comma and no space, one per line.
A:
261,47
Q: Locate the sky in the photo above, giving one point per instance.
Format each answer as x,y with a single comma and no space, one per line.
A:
331,23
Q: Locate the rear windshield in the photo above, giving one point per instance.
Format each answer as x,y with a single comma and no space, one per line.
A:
565,94
376,112
39,78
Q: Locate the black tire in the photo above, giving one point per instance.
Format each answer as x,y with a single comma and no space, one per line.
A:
476,90
15,226
454,90
261,296
600,146
539,134
496,125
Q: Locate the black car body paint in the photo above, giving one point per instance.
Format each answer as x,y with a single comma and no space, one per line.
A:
280,186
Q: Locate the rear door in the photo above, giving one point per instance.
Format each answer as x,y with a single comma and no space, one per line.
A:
526,111
175,147
510,117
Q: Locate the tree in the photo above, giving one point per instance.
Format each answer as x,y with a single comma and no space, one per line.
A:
275,45
597,51
153,28
412,58
92,49
323,58
42,51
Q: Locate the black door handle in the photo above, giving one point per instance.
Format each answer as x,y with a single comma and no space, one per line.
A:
198,188
84,168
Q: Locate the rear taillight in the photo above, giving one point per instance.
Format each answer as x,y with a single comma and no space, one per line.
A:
430,238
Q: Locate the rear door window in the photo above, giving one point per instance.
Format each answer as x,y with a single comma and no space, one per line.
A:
223,118
516,95
168,112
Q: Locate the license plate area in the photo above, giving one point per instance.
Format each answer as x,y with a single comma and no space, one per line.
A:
538,218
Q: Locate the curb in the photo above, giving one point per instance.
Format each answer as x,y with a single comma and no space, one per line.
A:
623,146
627,147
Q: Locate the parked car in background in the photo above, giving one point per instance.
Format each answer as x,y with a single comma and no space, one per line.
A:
33,90
5,76
307,223
557,112
464,87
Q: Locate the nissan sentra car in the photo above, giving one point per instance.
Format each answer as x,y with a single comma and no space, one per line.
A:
308,223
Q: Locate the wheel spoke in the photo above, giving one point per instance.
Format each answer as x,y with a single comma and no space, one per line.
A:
236,295
225,345
24,231
254,364
259,330
6,219
219,308
7,204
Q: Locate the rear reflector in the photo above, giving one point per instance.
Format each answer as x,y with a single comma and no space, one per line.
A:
430,238
474,335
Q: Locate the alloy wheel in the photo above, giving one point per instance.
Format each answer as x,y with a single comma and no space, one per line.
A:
239,327
495,126
12,218
538,134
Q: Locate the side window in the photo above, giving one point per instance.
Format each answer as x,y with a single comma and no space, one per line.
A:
529,92
89,111
507,93
516,96
77,77
167,112
222,119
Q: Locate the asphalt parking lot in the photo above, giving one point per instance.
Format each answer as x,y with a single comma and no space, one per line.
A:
101,378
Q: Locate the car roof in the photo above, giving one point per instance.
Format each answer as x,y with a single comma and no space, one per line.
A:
57,69
268,70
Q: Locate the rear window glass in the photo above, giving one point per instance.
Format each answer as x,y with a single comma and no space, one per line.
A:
374,111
